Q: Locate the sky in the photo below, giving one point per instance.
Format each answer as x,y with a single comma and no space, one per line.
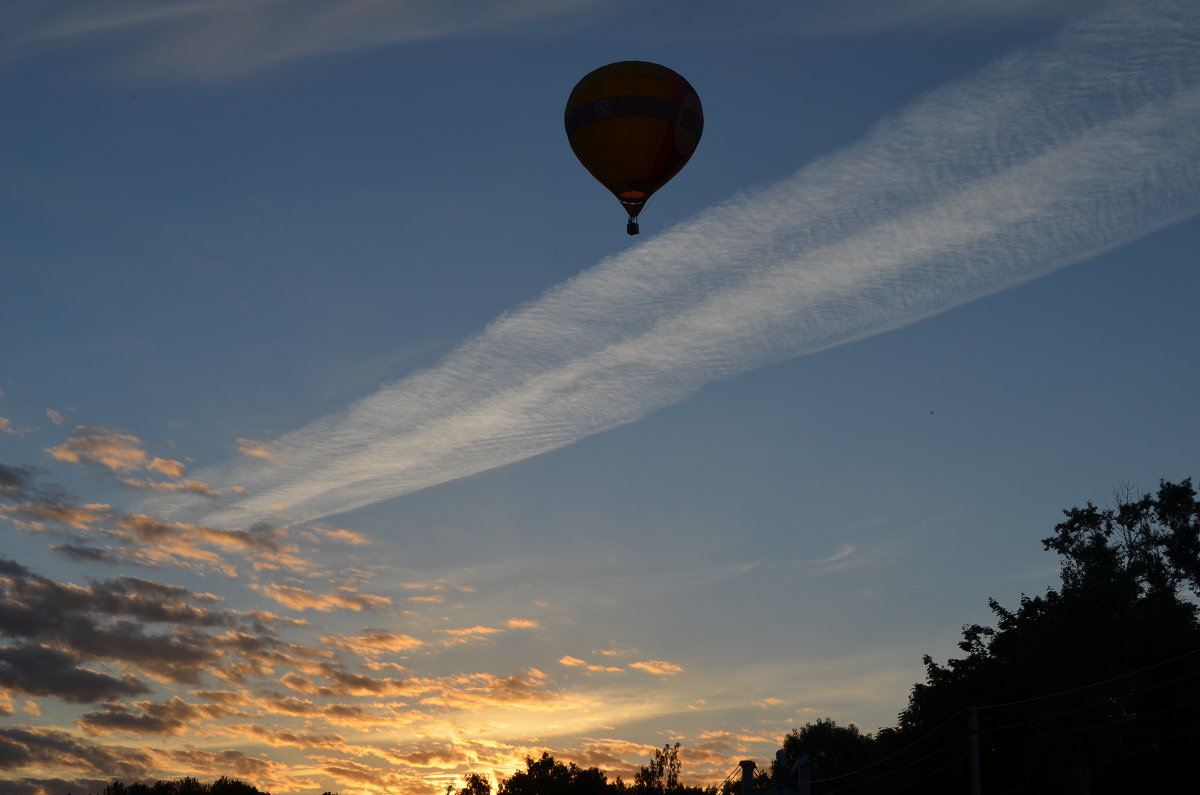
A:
348,443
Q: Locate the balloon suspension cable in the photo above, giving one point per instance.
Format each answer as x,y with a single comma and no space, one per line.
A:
633,209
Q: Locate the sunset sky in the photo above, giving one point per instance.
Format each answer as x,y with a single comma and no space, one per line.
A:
348,443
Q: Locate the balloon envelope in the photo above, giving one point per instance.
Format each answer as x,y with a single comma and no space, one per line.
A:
633,125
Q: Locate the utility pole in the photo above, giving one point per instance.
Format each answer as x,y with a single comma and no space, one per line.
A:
973,725
747,766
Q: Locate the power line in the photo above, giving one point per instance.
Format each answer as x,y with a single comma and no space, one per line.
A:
1077,729
942,750
895,753
956,760
1116,678
1098,765
1045,716
1093,704
732,773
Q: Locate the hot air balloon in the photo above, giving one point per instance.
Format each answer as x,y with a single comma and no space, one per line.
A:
633,125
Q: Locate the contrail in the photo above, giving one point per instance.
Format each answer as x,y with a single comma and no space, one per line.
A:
1047,157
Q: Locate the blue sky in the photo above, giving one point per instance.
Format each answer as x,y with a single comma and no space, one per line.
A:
335,351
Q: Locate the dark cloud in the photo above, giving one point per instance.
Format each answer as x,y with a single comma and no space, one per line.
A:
24,746
38,671
223,697
260,537
135,538
228,762
16,482
345,683
10,568
438,756
51,786
276,737
91,622
110,620
85,554
344,714
171,717
38,503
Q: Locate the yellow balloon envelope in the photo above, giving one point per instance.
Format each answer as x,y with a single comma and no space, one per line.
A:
633,125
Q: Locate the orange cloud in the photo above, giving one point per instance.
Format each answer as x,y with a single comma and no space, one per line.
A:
374,643
336,714
344,683
230,698
660,667
301,599
438,756
285,738
523,623
79,517
338,534
255,449
383,666
364,778
166,466
117,450
575,662
468,633
193,486
148,528
476,691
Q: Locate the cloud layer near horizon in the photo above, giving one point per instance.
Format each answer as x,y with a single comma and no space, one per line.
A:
1046,158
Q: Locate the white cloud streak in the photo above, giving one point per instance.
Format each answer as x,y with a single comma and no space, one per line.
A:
227,38
220,39
1046,158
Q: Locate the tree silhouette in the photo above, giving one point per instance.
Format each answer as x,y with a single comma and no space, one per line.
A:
185,786
833,750
661,775
473,784
548,776
1089,687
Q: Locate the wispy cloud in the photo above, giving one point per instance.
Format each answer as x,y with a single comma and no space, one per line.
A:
344,599
6,426
120,452
207,39
1048,157
225,38
116,450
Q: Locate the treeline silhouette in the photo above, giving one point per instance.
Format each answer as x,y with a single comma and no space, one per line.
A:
1091,687
186,786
